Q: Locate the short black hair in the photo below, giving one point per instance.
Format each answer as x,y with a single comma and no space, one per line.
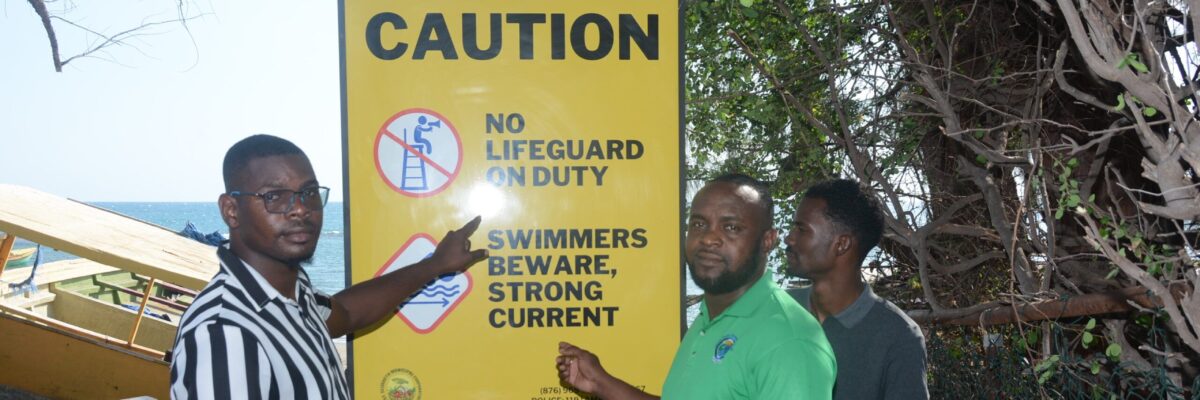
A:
254,147
760,187
852,208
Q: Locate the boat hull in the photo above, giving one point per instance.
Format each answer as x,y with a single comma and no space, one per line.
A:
59,364
21,258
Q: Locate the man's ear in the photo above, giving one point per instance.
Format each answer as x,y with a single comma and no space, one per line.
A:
843,244
770,239
229,210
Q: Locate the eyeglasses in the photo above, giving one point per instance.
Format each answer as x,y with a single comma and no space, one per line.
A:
280,201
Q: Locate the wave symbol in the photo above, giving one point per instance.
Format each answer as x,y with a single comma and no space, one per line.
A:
435,293
440,287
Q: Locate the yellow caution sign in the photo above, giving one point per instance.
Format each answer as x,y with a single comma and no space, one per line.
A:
560,124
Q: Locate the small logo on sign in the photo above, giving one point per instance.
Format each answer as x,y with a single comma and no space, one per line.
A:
400,384
724,347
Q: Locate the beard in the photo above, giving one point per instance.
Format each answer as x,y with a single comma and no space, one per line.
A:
300,261
794,266
307,262
729,281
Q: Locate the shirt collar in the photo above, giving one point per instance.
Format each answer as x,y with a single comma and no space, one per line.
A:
858,309
748,302
261,291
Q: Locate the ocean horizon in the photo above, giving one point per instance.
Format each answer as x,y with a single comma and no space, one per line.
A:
327,269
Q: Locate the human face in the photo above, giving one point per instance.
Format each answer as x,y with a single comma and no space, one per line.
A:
727,238
289,238
810,244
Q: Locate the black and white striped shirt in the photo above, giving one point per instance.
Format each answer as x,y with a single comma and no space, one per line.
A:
242,339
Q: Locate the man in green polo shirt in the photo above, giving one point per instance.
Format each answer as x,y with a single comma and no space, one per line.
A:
750,341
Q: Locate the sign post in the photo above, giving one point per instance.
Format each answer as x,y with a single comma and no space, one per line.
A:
560,124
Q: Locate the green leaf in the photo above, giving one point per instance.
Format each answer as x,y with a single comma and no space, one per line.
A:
1132,60
1074,162
1045,376
1092,198
1120,103
1137,65
1072,200
1095,367
1046,368
1112,274
1124,61
748,3
1059,214
1149,111
1088,338
1031,338
981,159
1113,351
1046,364
1091,324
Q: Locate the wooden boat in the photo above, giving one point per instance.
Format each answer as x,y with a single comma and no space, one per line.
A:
98,326
20,257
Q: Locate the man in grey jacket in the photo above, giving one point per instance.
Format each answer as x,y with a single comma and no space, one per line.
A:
880,351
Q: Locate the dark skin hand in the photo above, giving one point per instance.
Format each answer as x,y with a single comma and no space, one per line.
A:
581,369
367,302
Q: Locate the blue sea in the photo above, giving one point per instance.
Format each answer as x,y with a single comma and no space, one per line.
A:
327,270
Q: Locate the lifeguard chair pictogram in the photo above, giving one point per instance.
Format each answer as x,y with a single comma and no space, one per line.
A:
418,152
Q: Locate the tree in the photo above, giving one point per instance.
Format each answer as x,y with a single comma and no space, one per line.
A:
1026,151
101,40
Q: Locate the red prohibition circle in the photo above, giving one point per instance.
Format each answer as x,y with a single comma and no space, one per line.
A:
450,177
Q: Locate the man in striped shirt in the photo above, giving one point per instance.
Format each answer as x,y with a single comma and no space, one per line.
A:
259,329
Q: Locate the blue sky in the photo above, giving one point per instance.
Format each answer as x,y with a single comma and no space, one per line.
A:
151,121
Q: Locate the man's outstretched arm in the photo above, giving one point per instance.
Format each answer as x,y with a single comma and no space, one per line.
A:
367,302
581,369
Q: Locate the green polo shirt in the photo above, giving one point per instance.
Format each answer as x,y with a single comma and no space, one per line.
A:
764,346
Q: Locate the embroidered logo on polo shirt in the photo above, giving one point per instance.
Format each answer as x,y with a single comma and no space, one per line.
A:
724,347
